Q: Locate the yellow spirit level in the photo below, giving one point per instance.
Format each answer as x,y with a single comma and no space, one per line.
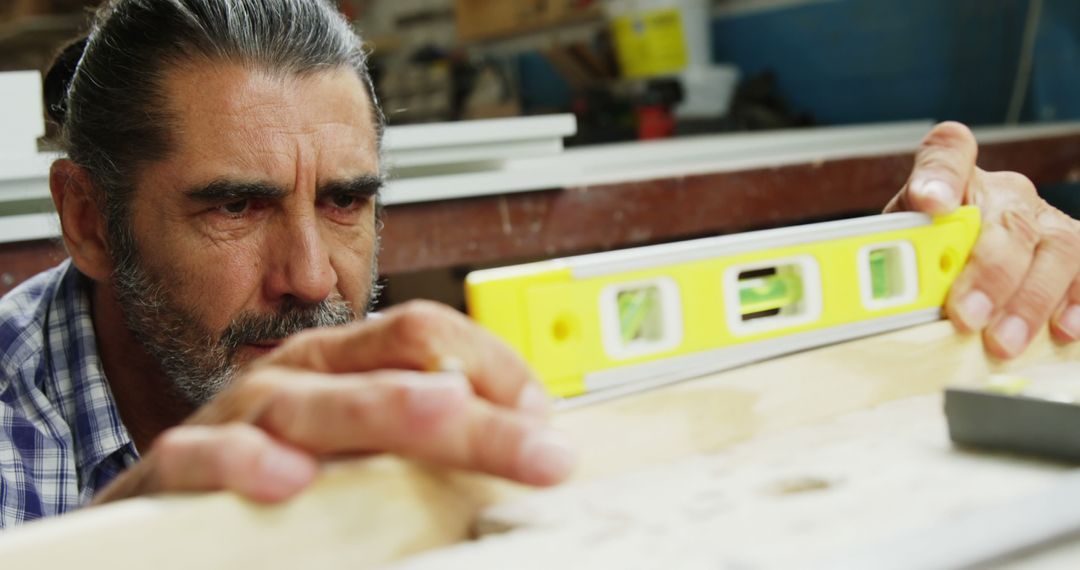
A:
623,321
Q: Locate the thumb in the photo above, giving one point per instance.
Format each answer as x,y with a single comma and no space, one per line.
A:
944,168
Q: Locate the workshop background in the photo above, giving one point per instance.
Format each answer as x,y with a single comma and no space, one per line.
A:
806,61
628,70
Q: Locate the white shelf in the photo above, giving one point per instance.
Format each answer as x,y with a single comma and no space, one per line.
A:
25,178
29,227
581,167
488,132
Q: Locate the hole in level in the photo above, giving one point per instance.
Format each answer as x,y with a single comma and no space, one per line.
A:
948,261
563,329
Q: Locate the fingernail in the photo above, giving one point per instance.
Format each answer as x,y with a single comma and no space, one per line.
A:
447,364
1012,334
937,191
1070,321
975,310
534,399
546,458
286,468
432,394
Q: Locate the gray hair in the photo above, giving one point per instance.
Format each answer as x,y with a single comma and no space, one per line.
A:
106,91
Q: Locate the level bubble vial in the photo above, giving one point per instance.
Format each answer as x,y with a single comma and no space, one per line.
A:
641,318
888,275
772,295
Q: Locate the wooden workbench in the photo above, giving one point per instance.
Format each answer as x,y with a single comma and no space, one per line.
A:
787,462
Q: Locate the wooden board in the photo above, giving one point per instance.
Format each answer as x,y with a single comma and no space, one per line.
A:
366,513
793,499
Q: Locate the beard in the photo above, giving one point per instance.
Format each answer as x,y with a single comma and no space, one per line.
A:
198,362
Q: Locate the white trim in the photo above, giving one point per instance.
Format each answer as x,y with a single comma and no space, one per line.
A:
474,153
486,132
28,227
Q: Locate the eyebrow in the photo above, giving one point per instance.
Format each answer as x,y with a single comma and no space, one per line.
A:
228,190
364,186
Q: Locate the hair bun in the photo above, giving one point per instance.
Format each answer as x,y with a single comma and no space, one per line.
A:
59,77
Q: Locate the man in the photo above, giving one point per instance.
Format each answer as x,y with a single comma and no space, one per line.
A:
219,196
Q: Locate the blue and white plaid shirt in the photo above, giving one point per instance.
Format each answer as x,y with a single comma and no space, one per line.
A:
61,438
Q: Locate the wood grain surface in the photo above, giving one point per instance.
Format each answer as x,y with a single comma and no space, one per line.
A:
367,513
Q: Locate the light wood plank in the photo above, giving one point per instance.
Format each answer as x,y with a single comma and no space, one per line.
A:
365,513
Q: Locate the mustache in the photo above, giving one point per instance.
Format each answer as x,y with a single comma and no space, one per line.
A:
254,328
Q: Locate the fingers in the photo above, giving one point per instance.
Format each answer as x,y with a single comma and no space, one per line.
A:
944,168
501,443
364,412
1022,267
994,272
421,336
1047,281
235,457
428,416
432,417
1065,325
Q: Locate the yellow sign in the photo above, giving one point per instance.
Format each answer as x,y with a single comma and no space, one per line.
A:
650,44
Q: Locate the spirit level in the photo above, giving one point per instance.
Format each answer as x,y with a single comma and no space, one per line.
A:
604,324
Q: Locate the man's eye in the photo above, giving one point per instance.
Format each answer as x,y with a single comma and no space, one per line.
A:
343,201
235,208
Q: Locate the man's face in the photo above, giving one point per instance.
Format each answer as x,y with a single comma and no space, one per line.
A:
259,223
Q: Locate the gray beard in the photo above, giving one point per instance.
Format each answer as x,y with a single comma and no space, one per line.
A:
199,363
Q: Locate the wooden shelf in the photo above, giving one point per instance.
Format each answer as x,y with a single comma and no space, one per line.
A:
500,23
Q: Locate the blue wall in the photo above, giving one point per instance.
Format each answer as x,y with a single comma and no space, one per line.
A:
1055,83
542,88
871,60
851,61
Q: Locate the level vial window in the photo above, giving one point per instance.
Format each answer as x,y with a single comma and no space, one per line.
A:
769,292
640,318
773,295
888,275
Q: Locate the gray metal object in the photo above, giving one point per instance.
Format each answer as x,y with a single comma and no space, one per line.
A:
1014,423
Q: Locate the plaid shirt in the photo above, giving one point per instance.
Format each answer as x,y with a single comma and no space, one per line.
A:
61,438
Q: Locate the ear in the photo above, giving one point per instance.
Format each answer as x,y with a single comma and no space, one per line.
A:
81,221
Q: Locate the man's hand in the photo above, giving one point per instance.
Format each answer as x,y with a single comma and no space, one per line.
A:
422,381
1025,268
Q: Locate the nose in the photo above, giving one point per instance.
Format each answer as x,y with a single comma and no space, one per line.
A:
301,268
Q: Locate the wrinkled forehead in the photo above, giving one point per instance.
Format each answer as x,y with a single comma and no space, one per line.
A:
238,121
